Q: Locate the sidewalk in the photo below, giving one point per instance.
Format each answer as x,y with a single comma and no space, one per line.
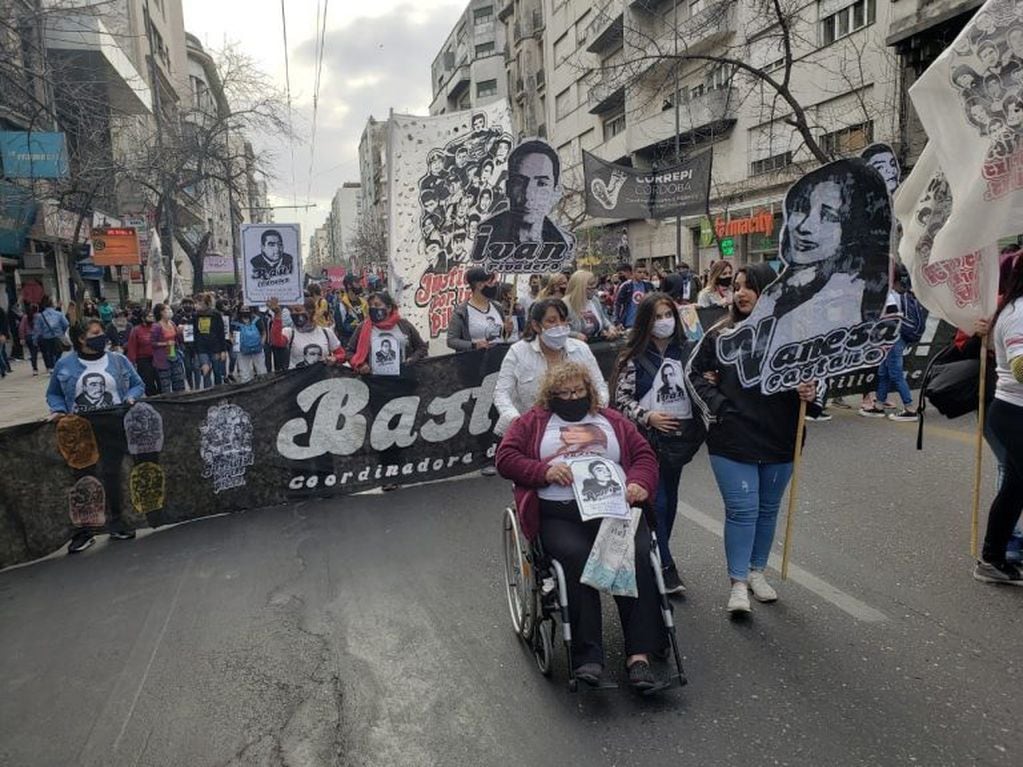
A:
22,396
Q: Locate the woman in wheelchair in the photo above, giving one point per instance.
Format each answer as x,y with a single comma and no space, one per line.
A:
567,422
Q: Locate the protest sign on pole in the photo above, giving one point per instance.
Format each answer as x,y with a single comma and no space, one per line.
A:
272,263
822,316
446,173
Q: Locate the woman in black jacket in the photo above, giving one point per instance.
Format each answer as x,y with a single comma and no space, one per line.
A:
751,439
647,386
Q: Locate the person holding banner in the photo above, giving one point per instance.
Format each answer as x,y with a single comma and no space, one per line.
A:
751,439
479,322
385,343
546,343
1005,422
647,386
306,343
534,454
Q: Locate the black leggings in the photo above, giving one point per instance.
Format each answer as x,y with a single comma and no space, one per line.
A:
1006,424
568,539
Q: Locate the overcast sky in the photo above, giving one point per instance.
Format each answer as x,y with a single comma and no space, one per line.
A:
377,55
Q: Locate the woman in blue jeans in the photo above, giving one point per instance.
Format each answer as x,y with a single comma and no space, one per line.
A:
648,387
751,439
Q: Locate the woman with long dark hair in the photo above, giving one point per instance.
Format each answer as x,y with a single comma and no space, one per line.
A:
1005,423
835,244
647,386
751,438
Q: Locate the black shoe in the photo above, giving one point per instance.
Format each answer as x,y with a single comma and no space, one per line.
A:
80,542
122,535
998,572
589,673
672,582
641,676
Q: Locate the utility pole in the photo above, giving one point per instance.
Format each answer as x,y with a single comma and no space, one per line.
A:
678,138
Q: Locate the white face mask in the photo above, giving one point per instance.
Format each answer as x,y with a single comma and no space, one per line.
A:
556,337
664,328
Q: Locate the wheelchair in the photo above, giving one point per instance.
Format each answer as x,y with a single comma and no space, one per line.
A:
538,602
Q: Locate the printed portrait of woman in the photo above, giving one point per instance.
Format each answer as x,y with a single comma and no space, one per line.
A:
834,247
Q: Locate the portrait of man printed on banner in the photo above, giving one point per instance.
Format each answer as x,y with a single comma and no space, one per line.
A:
520,235
272,260
834,252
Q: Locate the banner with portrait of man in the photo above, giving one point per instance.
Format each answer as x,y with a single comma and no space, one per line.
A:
271,263
822,316
447,174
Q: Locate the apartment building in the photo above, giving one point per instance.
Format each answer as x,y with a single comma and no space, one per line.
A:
525,26
345,210
617,89
373,172
469,70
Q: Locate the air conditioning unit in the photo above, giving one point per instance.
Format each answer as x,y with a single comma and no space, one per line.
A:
34,261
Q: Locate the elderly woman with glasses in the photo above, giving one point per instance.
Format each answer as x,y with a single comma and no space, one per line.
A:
569,422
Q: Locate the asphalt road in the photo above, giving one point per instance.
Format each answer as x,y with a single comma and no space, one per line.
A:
374,631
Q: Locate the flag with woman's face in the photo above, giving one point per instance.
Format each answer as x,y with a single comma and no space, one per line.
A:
820,317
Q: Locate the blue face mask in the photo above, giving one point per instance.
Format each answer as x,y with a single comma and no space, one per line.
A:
97,344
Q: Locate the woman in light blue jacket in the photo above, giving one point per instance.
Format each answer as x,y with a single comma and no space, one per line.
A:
49,327
91,378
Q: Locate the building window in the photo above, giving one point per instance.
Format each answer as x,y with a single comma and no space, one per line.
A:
772,163
486,88
582,26
848,140
848,20
563,104
613,125
483,15
484,49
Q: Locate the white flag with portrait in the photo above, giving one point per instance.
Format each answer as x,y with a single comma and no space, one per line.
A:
970,101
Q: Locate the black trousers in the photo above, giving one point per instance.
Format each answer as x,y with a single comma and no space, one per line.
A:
282,358
147,373
1006,423
568,539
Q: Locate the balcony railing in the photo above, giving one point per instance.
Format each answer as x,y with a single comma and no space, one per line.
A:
605,90
607,30
714,108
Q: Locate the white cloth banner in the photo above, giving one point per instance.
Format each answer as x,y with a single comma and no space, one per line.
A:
970,101
446,174
959,290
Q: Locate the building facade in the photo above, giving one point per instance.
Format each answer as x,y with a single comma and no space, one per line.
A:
526,75
619,84
469,71
345,211
373,180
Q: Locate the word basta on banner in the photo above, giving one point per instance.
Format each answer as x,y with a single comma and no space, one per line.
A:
618,191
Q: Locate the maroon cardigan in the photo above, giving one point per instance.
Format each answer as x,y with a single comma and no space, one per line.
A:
518,459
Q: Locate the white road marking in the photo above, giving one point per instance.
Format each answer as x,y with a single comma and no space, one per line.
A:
847,603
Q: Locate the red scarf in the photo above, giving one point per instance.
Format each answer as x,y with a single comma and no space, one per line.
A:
365,331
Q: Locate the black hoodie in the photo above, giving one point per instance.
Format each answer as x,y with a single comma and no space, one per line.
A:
209,332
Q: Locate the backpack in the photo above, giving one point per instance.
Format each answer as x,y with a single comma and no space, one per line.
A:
250,341
914,319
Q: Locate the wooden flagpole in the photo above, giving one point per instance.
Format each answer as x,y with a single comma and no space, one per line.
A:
793,490
979,456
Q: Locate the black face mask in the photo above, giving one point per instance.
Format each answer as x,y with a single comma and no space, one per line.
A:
378,314
570,410
300,320
724,281
490,291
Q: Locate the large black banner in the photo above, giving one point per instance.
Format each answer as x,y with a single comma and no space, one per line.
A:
314,432
617,191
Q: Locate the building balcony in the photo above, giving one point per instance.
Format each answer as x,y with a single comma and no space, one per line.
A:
711,114
83,41
605,91
607,30
707,27
460,80
528,24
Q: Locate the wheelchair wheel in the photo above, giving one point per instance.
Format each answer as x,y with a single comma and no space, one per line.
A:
518,577
543,646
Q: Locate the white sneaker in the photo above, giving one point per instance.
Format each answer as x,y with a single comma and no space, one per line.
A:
762,590
738,600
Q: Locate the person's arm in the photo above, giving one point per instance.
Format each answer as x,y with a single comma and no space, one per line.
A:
132,349
503,390
643,464
219,333
514,460
63,325
625,396
418,349
595,375
1012,338
701,368
622,297
458,334
334,346
55,395
136,387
